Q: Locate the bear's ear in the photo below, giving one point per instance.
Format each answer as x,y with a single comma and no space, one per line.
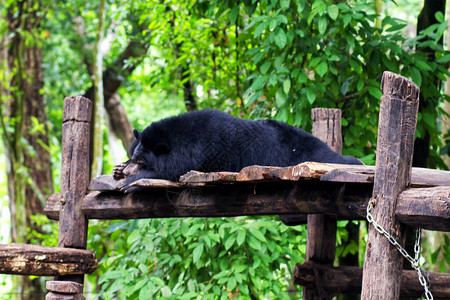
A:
162,148
136,133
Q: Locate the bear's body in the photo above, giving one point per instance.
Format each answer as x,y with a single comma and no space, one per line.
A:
211,140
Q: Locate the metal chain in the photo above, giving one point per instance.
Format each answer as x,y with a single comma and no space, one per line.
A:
414,261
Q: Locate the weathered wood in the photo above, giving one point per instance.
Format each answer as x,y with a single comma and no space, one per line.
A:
58,296
327,127
231,200
304,171
348,279
396,129
74,173
321,230
200,177
312,199
104,183
23,259
64,287
108,183
426,207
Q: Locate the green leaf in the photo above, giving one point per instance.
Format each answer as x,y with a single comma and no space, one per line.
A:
360,84
429,119
333,11
258,234
254,243
252,99
310,95
375,92
315,61
280,98
282,19
259,83
280,38
319,6
278,62
347,20
284,4
265,67
158,281
234,14
322,68
241,237
287,86
439,17
323,22
259,30
116,226
422,64
166,292
356,66
273,80
197,253
344,87
416,77
273,23
240,268
229,242
231,284
443,59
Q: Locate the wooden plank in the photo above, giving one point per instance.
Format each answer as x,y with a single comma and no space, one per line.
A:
427,207
74,174
396,128
108,183
304,171
350,204
348,279
213,177
24,259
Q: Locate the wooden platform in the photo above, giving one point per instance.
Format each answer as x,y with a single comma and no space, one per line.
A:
341,191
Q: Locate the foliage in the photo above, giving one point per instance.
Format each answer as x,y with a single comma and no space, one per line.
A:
292,56
441,256
256,59
328,55
259,59
201,258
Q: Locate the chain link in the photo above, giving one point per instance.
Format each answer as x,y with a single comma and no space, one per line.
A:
414,261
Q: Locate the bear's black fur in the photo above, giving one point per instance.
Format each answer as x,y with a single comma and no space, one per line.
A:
210,140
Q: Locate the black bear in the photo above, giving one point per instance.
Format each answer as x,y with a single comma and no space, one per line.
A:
210,140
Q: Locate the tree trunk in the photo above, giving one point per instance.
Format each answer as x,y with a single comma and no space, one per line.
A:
98,100
426,18
113,77
23,117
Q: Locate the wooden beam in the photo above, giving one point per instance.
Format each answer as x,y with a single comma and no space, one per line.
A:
348,279
396,128
343,201
428,208
23,259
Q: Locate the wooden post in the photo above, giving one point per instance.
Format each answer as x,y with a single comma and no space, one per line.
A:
62,290
74,175
321,235
396,128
